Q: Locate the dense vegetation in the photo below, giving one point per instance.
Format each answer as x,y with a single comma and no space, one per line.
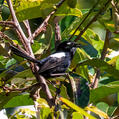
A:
90,90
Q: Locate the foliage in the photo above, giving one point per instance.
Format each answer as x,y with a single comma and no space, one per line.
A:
98,53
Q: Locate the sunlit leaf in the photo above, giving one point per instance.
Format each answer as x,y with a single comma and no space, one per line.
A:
42,103
77,115
97,111
75,107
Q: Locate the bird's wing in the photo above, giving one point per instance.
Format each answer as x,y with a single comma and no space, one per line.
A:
52,62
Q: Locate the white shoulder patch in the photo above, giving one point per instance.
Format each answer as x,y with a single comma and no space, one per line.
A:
58,55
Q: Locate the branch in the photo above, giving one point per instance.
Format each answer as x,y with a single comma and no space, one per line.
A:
7,23
57,33
27,45
103,54
42,26
93,20
45,22
91,10
24,40
27,25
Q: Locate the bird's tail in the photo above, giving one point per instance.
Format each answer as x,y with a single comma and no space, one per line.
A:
18,52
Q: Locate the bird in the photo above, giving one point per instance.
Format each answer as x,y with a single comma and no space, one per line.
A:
55,64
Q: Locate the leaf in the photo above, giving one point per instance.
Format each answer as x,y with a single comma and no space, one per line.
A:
5,12
72,3
27,111
44,113
102,106
24,74
44,108
42,102
117,63
77,115
4,98
102,65
34,9
97,111
103,91
93,39
10,62
67,32
41,8
20,100
79,56
75,107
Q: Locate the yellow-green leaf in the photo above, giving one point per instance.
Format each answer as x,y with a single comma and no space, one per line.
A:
97,111
75,107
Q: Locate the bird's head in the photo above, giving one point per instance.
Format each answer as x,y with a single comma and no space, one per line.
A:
67,46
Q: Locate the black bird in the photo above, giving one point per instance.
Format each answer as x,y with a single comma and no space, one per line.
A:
56,63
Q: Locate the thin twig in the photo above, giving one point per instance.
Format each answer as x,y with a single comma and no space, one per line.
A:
15,89
42,26
7,23
57,33
3,36
27,46
91,10
27,25
103,54
45,22
93,19
19,29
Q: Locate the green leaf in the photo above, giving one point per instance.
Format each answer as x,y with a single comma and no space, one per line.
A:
77,115
93,39
67,32
79,56
117,63
42,8
103,106
24,74
42,102
20,100
34,9
75,107
112,109
44,113
102,65
103,91
10,62
5,12
4,98
72,3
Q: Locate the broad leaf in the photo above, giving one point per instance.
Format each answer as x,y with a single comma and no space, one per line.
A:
102,65
103,91
4,98
20,100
